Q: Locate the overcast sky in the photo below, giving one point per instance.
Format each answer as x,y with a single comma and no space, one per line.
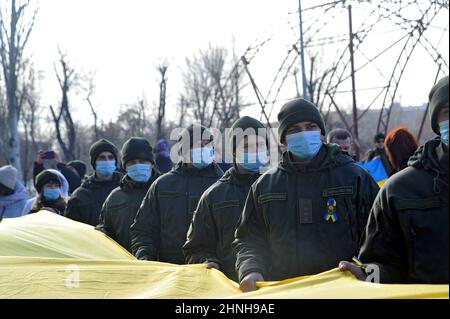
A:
123,40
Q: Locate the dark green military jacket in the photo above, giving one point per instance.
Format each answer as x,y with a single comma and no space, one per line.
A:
85,204
120,208
407,232
161,224
284,232
214,223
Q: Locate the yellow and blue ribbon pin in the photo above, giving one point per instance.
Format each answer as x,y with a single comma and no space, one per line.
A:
331,210
357,261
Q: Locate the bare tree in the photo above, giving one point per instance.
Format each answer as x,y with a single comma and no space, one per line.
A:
212,88
182,109
133,120
3,126
67,78
13,39
90,92
162,69
29,118
316,82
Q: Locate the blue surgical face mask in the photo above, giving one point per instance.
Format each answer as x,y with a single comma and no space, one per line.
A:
252,161
304,145
105,168
444,131
51,194
202,157
140,173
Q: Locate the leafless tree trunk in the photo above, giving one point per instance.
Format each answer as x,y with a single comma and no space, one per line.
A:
162,69
182,107
13,39
66,80
30,97
90,93
212,89
316,81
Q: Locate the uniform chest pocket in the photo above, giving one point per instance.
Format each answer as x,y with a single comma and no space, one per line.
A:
226,216
171,205
338,207
225,204
422,215
273,205
118,207
226,212
168,194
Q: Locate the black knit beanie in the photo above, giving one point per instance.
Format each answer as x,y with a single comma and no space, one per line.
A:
45,177
295,111
189,133
101,146
244,123
137,148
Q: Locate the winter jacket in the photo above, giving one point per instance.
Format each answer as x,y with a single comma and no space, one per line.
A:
120,208
86,202
212,229
161,224
407,231
302,219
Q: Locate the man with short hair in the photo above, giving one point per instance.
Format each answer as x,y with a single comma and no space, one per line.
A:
380,151
86,202
343,138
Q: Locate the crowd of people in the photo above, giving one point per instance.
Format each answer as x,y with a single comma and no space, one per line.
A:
314,210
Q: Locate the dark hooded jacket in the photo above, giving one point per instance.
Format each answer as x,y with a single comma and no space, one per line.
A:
407,232
214,223
85,204
161,224
120,208
283,232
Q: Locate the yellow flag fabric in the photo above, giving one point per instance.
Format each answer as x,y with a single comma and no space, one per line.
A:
44,255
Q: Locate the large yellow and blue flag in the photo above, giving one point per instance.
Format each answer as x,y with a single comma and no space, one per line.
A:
44,255
376,169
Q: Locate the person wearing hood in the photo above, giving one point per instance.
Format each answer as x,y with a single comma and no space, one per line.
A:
50,160
64,188
85,204
304,216
121,206
13,195
406,239
50,195
162,157
212,229
161,224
